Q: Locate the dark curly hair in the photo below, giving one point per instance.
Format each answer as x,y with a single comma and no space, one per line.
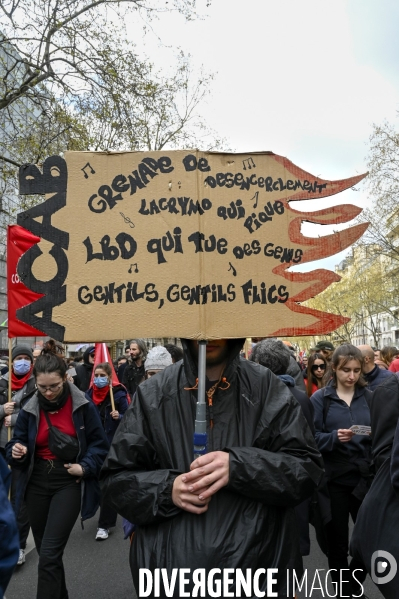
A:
273,354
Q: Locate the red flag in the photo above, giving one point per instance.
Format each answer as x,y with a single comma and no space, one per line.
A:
101,354
19,241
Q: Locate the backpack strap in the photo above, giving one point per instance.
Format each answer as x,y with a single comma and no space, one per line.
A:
326,407
368,396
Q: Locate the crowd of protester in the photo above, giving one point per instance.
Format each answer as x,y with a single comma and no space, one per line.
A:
330,415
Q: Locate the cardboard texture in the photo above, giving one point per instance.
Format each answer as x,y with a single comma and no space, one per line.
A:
177,243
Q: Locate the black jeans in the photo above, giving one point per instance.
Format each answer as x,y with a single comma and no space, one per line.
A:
108,516
343,505
53,500
22,515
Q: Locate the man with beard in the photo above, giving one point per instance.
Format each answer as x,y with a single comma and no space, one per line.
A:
233,506
134,371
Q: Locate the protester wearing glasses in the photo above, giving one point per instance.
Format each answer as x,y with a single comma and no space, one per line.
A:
346,451
56,422
315,373
325,348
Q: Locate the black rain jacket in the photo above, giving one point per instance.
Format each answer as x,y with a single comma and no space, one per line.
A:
384,412
84,372
274,465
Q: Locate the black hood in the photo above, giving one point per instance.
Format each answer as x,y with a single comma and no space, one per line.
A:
86,356
191,365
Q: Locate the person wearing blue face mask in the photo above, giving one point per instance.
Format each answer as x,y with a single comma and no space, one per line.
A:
99,394
23,386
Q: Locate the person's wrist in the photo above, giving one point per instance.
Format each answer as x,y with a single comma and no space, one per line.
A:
83,470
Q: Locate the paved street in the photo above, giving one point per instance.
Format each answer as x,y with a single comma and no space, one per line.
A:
317,560
100,570
93,569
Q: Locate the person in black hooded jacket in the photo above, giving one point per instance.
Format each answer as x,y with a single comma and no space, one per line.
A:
275,355
232,507
84,371
384,413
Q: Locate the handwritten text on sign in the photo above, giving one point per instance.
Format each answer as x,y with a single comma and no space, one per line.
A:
177,244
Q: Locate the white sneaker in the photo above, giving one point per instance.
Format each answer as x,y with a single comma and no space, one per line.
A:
102,534
21,559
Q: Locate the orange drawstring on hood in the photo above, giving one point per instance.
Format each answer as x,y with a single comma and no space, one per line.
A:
211,392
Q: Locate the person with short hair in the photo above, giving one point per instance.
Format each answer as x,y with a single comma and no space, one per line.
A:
49,483
175,351
275,355
324,347
36,353
373,375
303,363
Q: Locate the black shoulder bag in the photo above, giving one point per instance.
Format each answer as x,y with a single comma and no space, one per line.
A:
60,444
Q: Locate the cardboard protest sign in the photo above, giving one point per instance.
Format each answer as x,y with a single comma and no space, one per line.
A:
177,243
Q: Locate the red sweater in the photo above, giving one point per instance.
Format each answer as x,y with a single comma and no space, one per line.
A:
62,420
394,366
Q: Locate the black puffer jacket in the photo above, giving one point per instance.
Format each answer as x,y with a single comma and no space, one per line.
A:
274,465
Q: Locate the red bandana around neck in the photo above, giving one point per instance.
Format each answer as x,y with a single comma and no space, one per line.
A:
99,394
17,382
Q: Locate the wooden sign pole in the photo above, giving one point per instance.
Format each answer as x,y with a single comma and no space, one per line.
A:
9,380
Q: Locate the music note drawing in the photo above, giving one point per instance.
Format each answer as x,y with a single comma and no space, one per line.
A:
256,197
248,162
88,165
232,268
131,268
127,220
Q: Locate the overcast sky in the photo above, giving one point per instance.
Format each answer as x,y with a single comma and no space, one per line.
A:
303,78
